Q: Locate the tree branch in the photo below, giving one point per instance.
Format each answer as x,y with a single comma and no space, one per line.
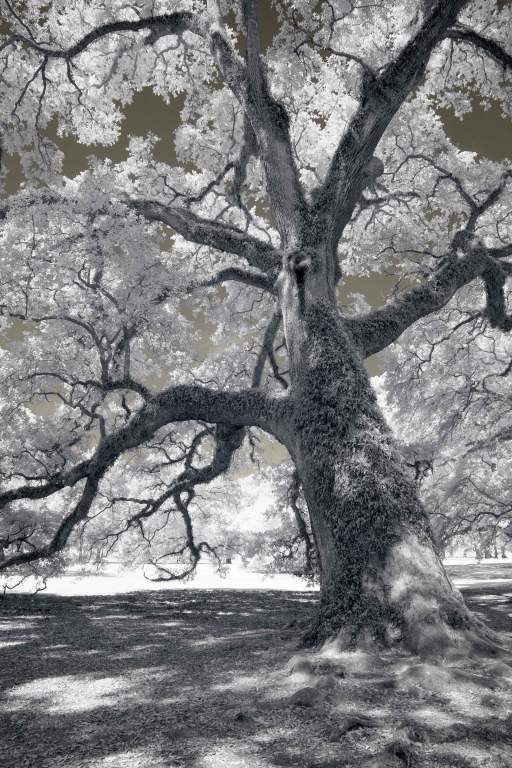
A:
168,24
494,50
268,118
270,123
227,441
215,234
248,149
374,331
180,403
494,278
267,353
230,411
245,276
63,532
381,97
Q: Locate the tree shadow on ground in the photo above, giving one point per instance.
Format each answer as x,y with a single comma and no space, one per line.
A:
86,678
202,679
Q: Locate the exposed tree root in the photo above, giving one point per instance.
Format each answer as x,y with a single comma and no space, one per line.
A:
411,606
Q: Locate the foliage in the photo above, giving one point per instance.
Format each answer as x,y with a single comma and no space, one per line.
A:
457,360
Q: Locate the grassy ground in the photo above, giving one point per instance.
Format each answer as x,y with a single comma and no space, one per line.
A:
207,679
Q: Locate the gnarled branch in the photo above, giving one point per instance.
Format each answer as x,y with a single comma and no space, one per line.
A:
464,263
231,411
462,34
376,330
180,403
63,532
245,276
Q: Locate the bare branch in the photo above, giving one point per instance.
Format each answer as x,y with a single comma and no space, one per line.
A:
228,440
462,34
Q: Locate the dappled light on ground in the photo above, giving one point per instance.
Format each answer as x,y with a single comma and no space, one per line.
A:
234,755
69,693
215,679
134,758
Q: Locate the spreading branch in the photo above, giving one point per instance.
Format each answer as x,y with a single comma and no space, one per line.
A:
235,274
63,532
182,490
261,255
231,410
376,330
267,117
381,97
462,34
466,261
176,404
258,254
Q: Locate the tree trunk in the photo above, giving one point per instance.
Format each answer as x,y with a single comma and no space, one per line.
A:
381,578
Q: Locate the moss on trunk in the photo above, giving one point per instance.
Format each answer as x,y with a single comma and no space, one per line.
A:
381,578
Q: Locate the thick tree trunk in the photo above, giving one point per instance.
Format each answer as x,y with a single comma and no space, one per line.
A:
381,578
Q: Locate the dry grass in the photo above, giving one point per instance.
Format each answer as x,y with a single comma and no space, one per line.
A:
203,679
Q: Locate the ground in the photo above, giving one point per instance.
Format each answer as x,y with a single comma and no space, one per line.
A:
214,679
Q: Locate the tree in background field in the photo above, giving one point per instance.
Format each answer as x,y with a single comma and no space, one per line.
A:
458,361
319,159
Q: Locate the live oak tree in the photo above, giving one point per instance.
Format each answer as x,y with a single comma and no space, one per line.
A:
298,167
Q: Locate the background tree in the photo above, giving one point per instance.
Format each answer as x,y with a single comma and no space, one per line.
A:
278,200
457,359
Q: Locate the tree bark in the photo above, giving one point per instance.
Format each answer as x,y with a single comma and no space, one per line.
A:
382,580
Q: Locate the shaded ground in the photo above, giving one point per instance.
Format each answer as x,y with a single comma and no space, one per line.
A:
203,679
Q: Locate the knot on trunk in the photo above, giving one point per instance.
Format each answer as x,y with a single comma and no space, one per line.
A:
299,262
